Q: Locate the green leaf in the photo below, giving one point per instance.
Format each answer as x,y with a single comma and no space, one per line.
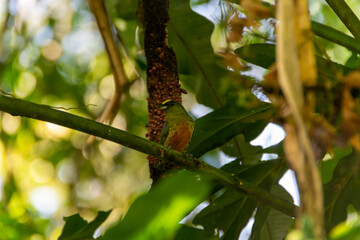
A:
277,148
186,233
248,153
189,35
271,224
328,166
353,61
342,190
263,55
77,228
218,127
156,215
231,210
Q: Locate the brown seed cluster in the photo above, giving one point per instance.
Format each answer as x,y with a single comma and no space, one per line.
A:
163,84
162,73
164,90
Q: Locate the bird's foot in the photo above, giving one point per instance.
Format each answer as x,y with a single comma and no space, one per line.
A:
191,157
188,155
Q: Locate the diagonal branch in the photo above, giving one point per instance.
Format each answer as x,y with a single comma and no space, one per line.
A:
346,15
336,36
23,108
98,8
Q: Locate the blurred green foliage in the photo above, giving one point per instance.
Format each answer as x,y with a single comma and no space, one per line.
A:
52,53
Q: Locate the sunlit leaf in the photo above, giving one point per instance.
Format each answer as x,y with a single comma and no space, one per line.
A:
328,166
349,229
156,215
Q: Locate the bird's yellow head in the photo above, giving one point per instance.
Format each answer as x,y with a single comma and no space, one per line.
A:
168,104
173,109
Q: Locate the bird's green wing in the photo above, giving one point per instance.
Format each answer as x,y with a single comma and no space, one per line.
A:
165,132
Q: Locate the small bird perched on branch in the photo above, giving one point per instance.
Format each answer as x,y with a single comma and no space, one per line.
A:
178,127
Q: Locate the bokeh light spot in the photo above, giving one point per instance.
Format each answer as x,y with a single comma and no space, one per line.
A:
29,56
56,131
66,171
52,51
138,90
36,237
10,124
88,190
45,200
41,171
109,149
25,84
3,168
107,87
43,36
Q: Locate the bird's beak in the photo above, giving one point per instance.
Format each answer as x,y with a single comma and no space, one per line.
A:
162,106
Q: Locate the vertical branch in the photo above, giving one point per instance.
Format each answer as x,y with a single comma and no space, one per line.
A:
312,186
305,44
162,73
290,66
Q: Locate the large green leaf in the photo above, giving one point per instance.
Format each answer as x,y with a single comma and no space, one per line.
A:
218,127
271,224
189,35
342,190
76,228
231,210
156,215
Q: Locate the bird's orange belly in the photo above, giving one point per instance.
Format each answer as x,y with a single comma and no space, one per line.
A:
181,137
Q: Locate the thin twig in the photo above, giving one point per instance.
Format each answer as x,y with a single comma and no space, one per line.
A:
105,28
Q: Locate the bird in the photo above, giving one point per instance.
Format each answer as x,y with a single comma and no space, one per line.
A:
178,127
